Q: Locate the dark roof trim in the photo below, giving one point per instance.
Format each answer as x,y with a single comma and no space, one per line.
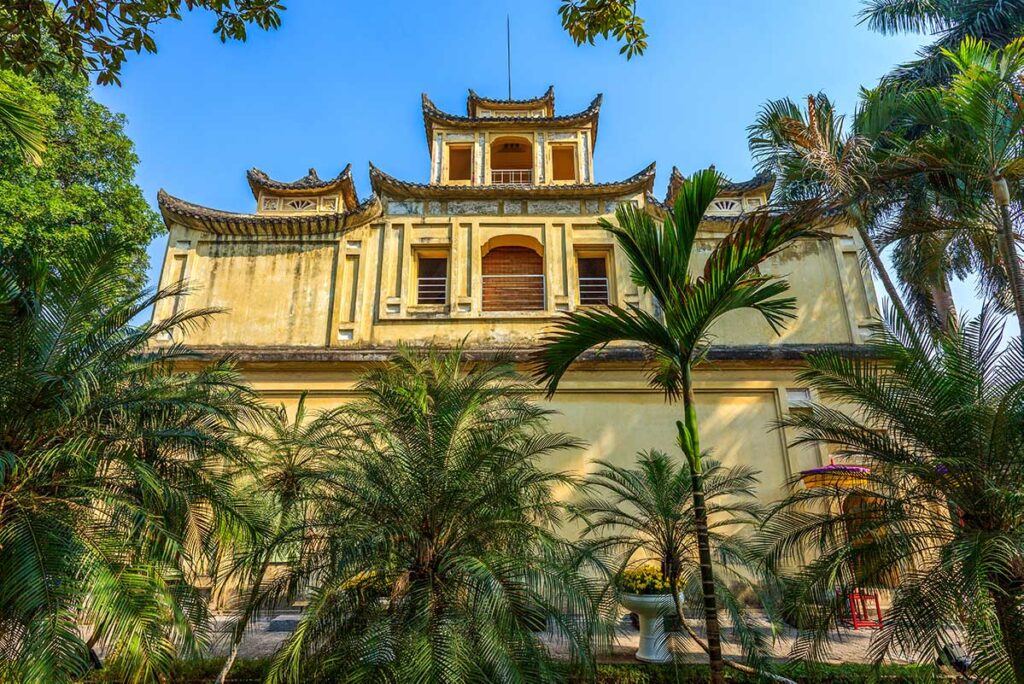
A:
175,210
310,184
474,102
385,184
432,115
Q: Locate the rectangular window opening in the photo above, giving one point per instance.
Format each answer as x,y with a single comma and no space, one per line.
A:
432,280
460,163
563,163
593,280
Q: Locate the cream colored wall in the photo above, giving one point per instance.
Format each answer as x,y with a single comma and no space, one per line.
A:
359,288
617,414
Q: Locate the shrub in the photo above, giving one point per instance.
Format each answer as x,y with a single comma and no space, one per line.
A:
647,579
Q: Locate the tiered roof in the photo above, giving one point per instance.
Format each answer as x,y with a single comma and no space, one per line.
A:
354,213
432,115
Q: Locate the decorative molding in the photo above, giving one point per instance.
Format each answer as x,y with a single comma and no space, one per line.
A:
300,205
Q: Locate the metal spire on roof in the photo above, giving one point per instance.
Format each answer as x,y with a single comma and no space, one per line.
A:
508,49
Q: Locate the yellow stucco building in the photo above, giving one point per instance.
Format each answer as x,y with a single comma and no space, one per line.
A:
503,238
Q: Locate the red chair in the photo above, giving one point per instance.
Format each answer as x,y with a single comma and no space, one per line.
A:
861,604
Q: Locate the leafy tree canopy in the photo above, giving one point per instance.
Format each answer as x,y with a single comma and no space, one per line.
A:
996,22
85,183
585,20
97,35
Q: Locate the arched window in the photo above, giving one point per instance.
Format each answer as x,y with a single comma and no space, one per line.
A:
513,275
512,160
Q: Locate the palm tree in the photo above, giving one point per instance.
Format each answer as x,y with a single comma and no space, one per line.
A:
997,22
631,515
25,126
114,477
973,134
938,424
660,258
438,558
290,476
812,156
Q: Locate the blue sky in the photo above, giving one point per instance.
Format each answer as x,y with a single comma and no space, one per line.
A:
340,82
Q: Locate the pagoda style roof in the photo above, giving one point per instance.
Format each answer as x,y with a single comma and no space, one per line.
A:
310,184
726,187
385,184
432,116
474,102
198,217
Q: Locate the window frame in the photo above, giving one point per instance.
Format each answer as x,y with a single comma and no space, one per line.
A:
432,254
574,148
604,252
448,148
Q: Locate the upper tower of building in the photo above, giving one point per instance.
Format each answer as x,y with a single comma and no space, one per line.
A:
511,142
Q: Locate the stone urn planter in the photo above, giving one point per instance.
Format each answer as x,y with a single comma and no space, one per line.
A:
652,609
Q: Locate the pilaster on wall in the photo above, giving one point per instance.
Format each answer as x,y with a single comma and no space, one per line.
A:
460,286
858,291
566,278
540,159
351,309
585,158
179,256
436,159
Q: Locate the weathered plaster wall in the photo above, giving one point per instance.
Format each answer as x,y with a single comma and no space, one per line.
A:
359,288
275,291
617,414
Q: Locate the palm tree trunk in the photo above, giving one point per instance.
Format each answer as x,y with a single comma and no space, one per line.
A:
739,667
945,307
243,621
1010,615
875,257
1008,242
689,439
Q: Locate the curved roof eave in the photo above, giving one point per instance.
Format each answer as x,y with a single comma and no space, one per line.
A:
384,183
309,184
547,100
216,221
432,114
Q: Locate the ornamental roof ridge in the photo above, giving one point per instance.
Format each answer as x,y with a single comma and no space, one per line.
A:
309,184
765,181
196,216
384,183
547,100
433,114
